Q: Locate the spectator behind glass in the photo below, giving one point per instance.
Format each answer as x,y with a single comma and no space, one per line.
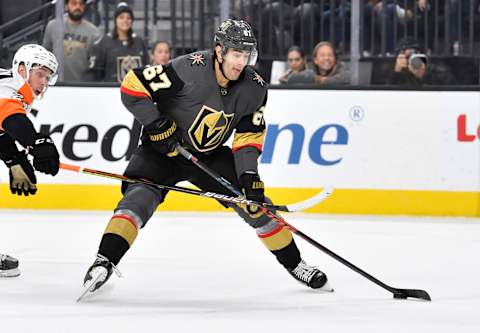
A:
118,51
400,18
414,69
305,22
327,69
78,39
296,63
160,53
449,16
459,13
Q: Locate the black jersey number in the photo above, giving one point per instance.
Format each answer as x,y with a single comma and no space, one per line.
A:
149,73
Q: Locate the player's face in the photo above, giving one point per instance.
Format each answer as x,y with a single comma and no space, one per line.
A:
325,58
234,62
39,79
124,21
161,54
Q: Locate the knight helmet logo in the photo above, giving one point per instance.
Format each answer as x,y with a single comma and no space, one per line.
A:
209,128
125,64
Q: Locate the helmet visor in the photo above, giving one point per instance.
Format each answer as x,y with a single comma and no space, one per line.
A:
243,57
44,73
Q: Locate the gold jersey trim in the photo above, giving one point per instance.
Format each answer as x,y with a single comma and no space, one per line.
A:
132,83
246,139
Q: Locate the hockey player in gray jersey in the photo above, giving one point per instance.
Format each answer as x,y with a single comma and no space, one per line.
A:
198,100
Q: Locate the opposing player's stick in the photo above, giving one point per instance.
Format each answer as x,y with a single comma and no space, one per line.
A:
397,292
319,197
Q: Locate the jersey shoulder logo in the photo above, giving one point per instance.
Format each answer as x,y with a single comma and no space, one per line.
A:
197,59
209,128
257,78
16,95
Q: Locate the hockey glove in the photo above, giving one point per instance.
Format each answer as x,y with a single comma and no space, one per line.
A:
45,155
22,175
253,189
163,136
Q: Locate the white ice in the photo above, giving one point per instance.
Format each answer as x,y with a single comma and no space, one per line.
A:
209,273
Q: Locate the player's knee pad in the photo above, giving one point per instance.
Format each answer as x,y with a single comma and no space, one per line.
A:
140,201
256,220
268,228
125,224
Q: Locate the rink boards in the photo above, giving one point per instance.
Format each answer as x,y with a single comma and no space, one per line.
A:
384,152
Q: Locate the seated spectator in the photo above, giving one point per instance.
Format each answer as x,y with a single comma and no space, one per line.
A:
78,38
296,63
160,53
327,69
118,51
412,67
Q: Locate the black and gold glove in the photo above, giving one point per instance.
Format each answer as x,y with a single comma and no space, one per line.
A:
163,136
253,189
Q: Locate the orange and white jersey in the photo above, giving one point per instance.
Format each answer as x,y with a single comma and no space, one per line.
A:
16,96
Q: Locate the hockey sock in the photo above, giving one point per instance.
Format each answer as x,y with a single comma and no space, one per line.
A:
281,243
289,256
119,235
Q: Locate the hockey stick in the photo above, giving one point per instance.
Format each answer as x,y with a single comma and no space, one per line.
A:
221,197
397,292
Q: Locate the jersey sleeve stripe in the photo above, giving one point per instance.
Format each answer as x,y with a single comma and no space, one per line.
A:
133,93
258,147
131,85
249,139
8,107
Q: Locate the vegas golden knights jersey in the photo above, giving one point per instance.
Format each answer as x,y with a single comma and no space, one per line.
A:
187,91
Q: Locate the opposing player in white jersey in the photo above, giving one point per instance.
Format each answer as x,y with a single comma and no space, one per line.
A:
33,69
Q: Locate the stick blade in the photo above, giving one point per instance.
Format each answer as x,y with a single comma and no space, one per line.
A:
310,202
412,293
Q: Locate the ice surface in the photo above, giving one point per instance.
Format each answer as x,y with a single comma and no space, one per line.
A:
210,273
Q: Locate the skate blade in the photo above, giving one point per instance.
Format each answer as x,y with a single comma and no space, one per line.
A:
326,288
89,285
10,273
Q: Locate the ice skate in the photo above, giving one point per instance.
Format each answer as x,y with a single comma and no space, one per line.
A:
97,275
311,277
8,266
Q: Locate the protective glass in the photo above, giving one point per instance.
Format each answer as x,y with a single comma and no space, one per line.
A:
244,57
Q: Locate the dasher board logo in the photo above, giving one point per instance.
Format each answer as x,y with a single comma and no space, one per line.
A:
124,64
209,128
